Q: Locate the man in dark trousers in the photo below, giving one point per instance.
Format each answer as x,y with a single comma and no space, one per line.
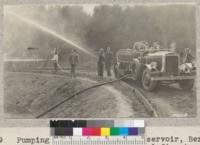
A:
74,60
100,64
108,61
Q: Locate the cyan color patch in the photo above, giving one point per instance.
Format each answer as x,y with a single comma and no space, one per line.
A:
123,131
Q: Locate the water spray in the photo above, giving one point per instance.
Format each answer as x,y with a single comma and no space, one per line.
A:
51,32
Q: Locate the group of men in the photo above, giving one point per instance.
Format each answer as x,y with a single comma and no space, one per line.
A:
186,55
106,59
73,60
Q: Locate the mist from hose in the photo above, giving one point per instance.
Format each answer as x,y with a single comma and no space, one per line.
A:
51,32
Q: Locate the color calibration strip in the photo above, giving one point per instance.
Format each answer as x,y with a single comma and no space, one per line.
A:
97,128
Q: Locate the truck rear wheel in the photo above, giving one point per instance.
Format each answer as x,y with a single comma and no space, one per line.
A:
118,70
147,83
186,84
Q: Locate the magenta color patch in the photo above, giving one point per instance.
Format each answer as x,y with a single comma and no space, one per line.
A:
87,131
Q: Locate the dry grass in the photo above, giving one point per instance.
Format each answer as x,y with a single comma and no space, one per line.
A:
29,94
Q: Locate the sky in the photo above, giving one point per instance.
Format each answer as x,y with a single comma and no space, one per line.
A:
87,8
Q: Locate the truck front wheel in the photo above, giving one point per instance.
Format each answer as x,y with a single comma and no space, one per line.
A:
186,84
147,83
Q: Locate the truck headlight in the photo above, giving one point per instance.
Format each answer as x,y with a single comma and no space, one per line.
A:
154,65
186,67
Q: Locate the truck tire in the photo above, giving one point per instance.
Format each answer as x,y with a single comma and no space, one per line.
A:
186,84
147,83
118,70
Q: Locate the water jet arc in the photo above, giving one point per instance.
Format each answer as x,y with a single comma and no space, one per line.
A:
51,32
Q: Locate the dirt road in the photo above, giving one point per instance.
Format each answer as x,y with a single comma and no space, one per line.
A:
170,100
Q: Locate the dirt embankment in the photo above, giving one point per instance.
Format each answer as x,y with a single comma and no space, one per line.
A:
30,94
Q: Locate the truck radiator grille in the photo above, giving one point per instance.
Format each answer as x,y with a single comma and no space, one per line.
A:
172,65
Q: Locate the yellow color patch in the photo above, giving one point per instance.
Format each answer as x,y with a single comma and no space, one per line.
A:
105,131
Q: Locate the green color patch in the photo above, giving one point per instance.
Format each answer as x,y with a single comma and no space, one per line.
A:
114,131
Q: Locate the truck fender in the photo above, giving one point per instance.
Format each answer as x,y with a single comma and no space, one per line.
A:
148,66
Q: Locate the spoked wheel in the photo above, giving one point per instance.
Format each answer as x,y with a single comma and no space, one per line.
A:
147,83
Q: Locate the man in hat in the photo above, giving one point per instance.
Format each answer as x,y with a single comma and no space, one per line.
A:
156,46
100,63
108,61
74,60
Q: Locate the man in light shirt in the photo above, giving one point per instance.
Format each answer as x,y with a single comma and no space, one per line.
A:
55,59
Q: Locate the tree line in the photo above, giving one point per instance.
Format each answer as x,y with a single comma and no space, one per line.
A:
115,26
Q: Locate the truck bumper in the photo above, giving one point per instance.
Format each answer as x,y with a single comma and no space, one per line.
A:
172,78
157,76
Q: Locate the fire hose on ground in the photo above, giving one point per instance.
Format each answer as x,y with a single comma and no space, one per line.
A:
78,93
142,99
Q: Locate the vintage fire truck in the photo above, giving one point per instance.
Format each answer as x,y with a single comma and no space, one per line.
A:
152,66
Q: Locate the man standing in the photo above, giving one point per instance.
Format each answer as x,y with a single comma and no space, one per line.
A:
172,47
187,56
73,59
55,59
108,61
100,64
156,46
